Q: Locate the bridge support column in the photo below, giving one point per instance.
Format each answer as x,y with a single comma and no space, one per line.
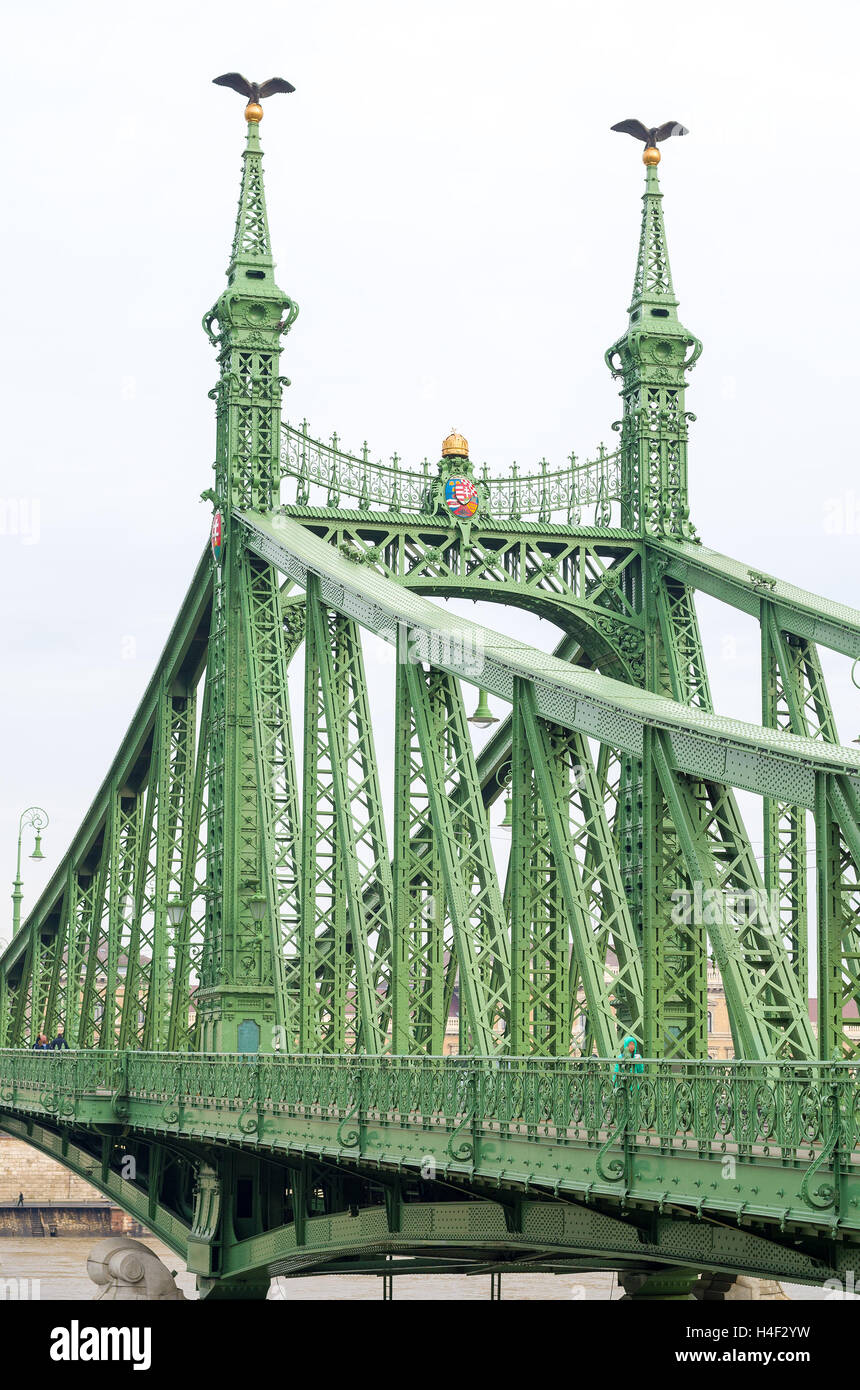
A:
666,1283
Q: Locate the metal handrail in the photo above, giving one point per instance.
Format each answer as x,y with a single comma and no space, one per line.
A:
543,494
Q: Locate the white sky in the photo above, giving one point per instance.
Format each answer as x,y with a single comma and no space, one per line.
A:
459,226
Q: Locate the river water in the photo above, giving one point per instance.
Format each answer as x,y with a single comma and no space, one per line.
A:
58,1269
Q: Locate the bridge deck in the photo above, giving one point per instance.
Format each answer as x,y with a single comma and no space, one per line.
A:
774,1142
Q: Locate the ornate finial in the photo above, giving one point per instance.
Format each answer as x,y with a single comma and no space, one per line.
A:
650,136
254,91
455,446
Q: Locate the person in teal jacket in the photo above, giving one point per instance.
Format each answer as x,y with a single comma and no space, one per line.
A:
631,1055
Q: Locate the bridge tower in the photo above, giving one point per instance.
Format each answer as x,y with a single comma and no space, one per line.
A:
237,997
652,358
666,848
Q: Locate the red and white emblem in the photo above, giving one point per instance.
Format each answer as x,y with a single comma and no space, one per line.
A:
461,496
217,536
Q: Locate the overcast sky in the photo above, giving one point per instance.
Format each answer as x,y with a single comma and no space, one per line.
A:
459,227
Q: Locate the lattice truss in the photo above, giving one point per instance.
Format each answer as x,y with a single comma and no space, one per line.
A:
755,924
364,948
794,698
551,565
251,237
653,275
108,967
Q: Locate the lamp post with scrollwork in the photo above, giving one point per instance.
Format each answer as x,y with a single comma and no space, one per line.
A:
37,819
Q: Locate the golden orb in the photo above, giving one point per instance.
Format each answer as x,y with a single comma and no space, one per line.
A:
455,446
651,156
253,113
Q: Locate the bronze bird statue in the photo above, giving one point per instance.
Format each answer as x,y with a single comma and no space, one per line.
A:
650,135
254,91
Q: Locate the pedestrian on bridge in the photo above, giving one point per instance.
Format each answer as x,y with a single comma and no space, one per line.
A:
41,1044
629,1059
59,1042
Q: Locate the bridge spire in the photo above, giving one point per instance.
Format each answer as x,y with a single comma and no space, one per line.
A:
237,1001
652,282
651,358
252,248
246,325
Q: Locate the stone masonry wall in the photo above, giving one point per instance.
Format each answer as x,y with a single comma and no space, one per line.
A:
24,1169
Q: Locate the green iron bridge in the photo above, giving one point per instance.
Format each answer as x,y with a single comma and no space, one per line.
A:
255,959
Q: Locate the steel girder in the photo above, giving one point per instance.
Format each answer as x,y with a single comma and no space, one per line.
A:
837,840
677,947
324,926
543,976
156,1199
346,895
94,994
794,697
775,998
277,787
555,779
736,870
557,573
359,824
419,973
111,970
818,620
461,830
767,1013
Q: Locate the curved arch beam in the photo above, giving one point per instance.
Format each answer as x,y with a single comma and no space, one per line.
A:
162,1222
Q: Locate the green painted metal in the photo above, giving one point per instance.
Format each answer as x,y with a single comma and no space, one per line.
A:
462,838
420,996
794,696
589,486
241,982
596,909
268,665
821,620
219,895
358,824
741,754
662,1140
652,357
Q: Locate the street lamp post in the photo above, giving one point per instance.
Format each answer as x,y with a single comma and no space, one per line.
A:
37,819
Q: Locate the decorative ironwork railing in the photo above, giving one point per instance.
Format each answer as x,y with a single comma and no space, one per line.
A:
581,493
790,1112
